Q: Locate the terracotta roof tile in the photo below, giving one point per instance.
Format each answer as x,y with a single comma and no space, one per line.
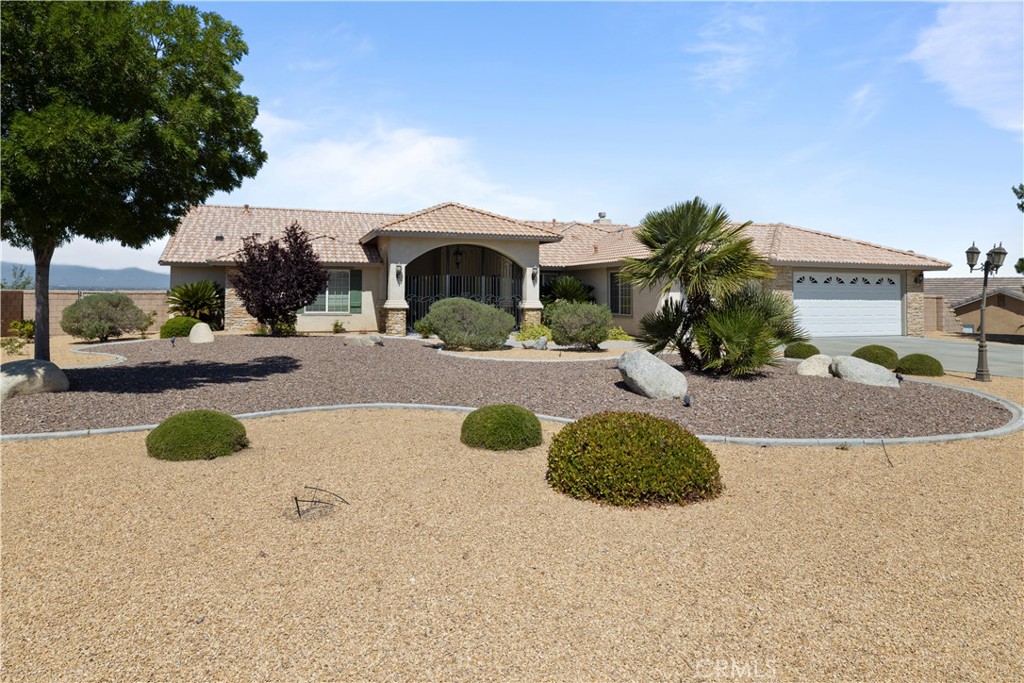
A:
451,219
956,290
334,235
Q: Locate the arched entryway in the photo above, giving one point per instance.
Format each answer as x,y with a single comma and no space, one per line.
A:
464,270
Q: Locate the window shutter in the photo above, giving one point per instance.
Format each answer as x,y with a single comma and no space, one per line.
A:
355,291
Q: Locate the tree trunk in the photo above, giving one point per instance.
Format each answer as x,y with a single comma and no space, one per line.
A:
43,253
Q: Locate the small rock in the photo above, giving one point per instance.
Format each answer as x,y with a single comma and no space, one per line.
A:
862,372
649,376
376,339
542,344
201,618
200,334
815,366
365,341
529,343
31,376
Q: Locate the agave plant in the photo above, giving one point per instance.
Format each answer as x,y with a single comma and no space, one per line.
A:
203,300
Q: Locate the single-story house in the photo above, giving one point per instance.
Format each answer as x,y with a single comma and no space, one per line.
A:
1004,302
386,269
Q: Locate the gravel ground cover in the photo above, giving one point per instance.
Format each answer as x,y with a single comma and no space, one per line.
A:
816,564
239,374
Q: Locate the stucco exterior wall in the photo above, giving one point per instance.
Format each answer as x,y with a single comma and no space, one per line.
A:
1003,314
644,300
183,274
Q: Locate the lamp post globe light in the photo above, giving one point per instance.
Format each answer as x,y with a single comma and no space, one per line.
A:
993,261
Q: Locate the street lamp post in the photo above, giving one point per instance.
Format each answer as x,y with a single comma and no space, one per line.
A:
993,260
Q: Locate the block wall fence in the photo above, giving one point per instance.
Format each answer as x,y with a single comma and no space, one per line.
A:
16,304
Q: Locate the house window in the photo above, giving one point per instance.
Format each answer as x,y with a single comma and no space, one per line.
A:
335,298
620,295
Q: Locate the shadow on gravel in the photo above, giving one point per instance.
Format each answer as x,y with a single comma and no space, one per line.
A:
160,376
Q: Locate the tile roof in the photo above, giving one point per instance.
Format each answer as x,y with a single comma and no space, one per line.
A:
782,244
451,219
956,290
346,237
334,235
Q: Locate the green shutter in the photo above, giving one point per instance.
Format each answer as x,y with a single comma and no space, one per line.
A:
355,291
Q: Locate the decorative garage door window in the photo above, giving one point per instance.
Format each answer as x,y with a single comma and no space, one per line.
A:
847,303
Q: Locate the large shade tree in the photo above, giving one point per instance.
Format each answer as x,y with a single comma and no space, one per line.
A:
116,118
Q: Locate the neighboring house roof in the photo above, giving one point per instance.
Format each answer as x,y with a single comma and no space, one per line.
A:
334,235
455,220
346,237
956,290
1006,291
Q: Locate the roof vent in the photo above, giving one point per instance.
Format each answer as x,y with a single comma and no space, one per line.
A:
245,208
602,218
595,248
219,237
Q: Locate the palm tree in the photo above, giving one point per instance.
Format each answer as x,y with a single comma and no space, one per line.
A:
697,247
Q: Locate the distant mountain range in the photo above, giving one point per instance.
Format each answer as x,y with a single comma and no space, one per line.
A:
83,277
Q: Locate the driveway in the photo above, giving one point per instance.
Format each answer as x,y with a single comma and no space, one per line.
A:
1006,360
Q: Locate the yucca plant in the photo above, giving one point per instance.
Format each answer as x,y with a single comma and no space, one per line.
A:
202,299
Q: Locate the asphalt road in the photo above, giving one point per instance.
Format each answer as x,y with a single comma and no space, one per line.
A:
1006,360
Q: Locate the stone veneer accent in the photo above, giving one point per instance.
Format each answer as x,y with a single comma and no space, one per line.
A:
531,316
783,280
235,317
395,321
914,303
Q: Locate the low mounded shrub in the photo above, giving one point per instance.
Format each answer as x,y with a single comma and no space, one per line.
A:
618,334
102,316
920,364
877,354
501,427
800,350
23,329
196,435
631,459
464,323
528,332
178,326
579,324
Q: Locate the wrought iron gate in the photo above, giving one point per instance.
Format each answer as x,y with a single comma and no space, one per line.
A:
494,290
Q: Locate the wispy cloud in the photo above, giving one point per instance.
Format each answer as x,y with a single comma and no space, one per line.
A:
381,168
976,52
863,105
730,46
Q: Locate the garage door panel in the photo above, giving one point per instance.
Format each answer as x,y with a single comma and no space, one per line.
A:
839,303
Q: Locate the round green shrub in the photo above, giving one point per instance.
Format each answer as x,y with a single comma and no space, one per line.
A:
102,316
877,354
196,435
800,350
464,323
631,459
579,324
501,427
178,326
920,364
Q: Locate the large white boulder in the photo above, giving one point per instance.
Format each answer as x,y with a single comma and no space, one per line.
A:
648,375
815,366
30,376
201,334
862,372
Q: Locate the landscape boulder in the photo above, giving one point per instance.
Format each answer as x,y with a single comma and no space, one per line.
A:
529,343
200,334
649,376
542,344
815,366
30,376
365,341
862,372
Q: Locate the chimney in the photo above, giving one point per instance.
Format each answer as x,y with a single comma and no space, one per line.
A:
245,208
601,218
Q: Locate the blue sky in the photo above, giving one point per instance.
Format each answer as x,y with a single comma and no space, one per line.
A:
899,124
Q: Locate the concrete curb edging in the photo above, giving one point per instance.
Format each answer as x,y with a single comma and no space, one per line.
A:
1015,423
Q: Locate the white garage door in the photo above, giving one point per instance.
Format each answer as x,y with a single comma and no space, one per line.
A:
833,304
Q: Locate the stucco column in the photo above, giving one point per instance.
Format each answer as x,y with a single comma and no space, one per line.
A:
531,295
396,307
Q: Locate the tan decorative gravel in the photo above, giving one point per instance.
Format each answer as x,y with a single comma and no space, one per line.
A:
66,352
456,564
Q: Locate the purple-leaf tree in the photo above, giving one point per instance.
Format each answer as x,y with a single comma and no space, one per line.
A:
276,278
